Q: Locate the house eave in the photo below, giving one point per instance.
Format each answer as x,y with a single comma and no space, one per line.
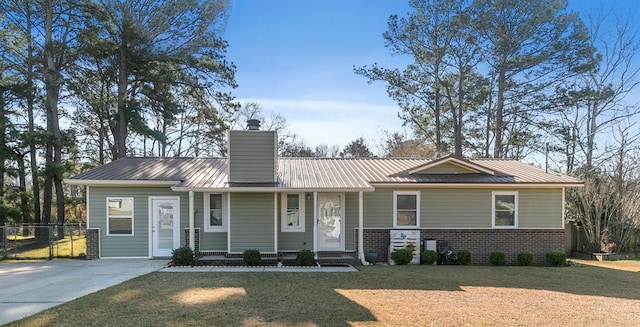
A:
477,185
120,182
267,189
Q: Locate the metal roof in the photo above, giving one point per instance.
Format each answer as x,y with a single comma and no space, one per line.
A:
315,173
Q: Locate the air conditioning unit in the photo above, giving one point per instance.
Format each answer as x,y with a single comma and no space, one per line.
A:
402,239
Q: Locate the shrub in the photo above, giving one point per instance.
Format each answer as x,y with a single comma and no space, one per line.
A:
428,257
251,257
464,257
497,258
556,258
525,258
183,256
306,258
402,256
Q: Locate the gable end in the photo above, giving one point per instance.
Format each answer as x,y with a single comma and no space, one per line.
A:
450,165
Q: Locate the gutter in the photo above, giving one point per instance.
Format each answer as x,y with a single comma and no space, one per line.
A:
267,189
119,182
475,185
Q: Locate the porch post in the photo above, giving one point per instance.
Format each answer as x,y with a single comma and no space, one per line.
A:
361,231
315,224
192,240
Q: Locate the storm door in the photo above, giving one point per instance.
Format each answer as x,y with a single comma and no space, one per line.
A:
165,223
330,220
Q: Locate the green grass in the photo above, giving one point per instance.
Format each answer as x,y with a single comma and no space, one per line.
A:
61,248
375,296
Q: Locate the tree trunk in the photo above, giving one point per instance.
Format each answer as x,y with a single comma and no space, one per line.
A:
458,118
591,133
30,94
52,84
47,196
24,199
123,117
3,140
487,130
437,111
497,149
101,140
54,143
47,192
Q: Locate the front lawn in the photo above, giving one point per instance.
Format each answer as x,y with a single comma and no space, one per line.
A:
375,296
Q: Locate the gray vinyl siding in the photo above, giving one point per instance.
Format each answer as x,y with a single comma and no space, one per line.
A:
252,156
455,208
295,241
209,241
540,208
252,222
466,208
378,208
138,244
351,220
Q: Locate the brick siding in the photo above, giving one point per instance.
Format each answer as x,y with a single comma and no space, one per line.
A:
196,251
481,242
93,243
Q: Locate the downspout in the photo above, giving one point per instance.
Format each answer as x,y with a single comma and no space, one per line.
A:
86,206
361,231
275,223
564,206
228,222
192,232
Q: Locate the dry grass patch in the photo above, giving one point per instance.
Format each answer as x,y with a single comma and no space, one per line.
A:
626,265
490,306
201,295
375,296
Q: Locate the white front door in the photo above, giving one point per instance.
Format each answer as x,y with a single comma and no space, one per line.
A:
330,221
165,223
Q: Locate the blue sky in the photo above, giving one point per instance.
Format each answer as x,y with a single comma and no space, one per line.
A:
296,58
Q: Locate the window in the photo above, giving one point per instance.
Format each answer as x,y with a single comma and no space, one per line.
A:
406,209
215,212
120,216
505,209
292,212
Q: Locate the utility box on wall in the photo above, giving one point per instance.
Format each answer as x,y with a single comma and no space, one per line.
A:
405,238
430,244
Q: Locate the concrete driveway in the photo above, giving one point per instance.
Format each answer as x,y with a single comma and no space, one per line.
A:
27,288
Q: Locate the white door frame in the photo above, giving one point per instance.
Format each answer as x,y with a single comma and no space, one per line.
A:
153,222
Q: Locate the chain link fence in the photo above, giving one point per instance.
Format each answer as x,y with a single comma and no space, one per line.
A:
28,241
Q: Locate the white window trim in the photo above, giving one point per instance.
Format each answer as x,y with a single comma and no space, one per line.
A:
207,214
493,209
395,208
283,218
109,216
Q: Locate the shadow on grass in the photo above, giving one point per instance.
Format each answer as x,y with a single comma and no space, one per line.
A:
312,299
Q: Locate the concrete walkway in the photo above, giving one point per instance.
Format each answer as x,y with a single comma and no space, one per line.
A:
27,288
